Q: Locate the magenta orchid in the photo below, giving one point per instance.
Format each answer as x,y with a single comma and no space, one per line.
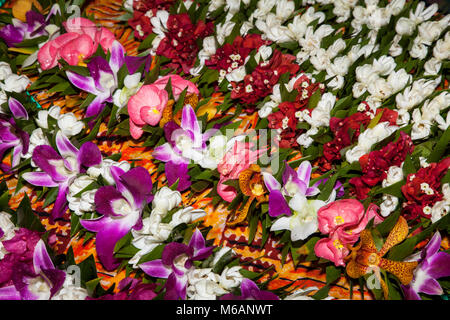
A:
186,143
121,207
11,136
177,259
59,169
250,291
294,182
433,265
103,78
37,280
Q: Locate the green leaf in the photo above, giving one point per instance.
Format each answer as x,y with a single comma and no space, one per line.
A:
333,274
26,218
88,269
51,196
314,99
322,293
153,255
440,148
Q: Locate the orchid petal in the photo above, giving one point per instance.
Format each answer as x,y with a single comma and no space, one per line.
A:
60,206
304,172
139,183
41,179
89,155
41,259
43,156
189,121
98,66
175,171
9,293
117,56
65,147
156,268
104,198
173,250
17,109
81,82
96,106
116,172
109,232
438,265
55,278
271,183
430,286
432,246
278,204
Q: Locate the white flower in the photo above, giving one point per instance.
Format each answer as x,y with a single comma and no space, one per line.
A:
380,89
165,200
223,30
186,215
237,75
85,202
394,174
8,229
441,50
104,169
419,50
320,116
384,65
15,83
70,291
421,127
203,285
231,277
441,208
430,31
432,67
388,205
398,80
443,124
368,138
284,9
37,138
5,70
405,26
303,221
219,254
69,124
128,5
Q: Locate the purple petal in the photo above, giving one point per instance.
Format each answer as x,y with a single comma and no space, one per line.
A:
409,293
60,205
173,250
438,265
17,151
312,191
179,171
117,56
139,183
9,293
290,174
104,198
41,259
248,287
304,172
56,279
116,172
134,63
2,233
17,109
169,128
12,35
81,82
96,106
430,286
155,268
109,232
45,158
175,287
65,147
96,67
197,241
432,246
89,155
164,153
41,179
270,182
189,121
278,204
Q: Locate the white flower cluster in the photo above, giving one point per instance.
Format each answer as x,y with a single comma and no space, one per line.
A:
390,202
11,82
203,284
154,231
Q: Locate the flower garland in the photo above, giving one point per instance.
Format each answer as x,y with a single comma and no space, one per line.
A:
321,126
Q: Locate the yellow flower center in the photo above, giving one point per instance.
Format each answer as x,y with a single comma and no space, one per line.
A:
81,60
338,220
338,244
257,189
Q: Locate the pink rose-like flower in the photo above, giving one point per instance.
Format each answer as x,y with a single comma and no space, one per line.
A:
178,84
145,107
239,158
80,42
343,220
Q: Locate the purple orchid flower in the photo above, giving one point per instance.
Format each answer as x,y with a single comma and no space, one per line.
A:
185,143
433,265
177,259
103,79
11,136
59,169
34,27
294,182
41,282
250,291
121,207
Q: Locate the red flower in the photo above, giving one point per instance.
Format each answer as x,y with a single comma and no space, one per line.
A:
260,82
180,44
285,120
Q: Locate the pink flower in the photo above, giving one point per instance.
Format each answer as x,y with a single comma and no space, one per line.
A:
343,220
80,42
239,158
145,107
178,84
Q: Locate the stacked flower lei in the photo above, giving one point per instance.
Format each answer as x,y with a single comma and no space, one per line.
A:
344,161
